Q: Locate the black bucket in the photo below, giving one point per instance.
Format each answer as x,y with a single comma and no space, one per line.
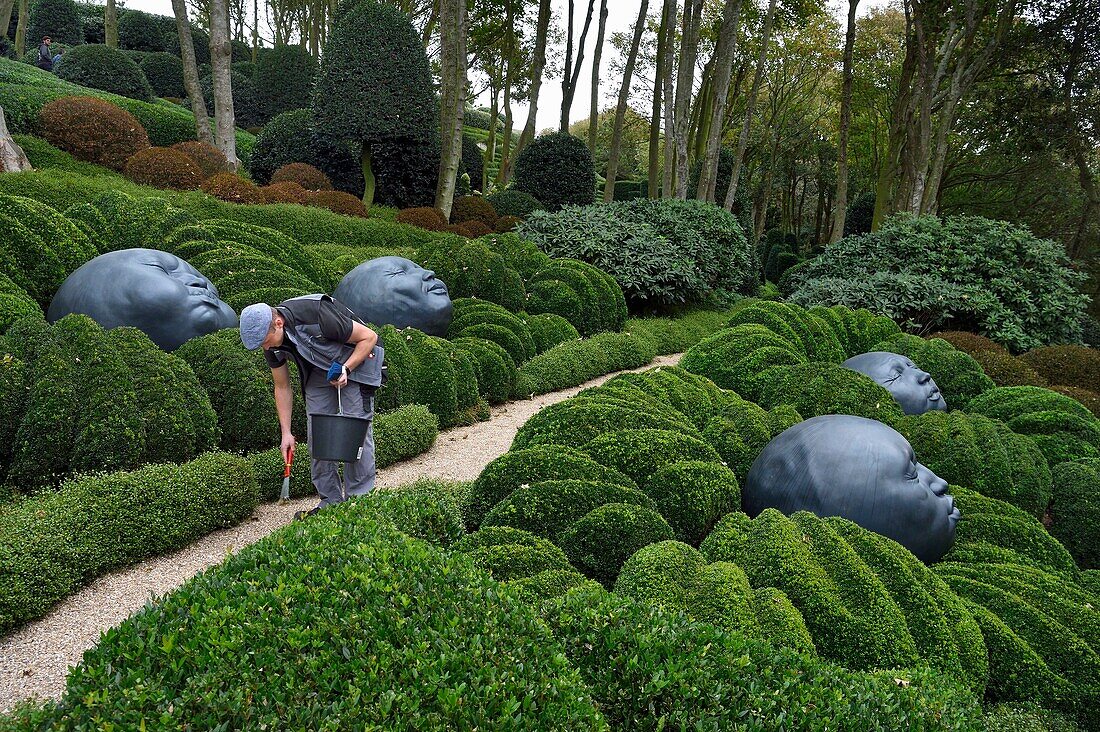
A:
337,437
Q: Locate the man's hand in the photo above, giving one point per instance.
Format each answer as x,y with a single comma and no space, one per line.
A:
287,444
338,381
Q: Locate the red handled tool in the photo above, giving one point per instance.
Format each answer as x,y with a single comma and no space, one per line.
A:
285,495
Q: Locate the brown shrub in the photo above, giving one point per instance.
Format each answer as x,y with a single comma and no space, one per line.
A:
970,342
163,167
1007,370
338,202
507,223
474,229
424,217
473,208
1067,365
93,130
286,192
232,187
459,229
210,159
1090,399
304,175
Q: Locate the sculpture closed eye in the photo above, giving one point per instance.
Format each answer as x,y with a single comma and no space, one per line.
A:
153,291
911,387
858,469
399,292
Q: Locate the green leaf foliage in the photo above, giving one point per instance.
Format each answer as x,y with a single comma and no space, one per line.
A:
58,19
1075,511
108,69
284,79
557,169
1062,427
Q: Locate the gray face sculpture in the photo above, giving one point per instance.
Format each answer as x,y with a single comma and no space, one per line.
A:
861,470
399,292
153,291
912,388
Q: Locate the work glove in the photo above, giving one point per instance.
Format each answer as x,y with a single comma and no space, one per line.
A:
334,371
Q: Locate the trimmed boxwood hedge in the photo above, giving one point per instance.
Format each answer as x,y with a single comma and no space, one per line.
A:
404,433
59,540
585,296
471,269
491,322
743,429
600,542
550,507
105,68
1063,428
574,362
737,358
1075,511
983,454
640,453
508,553
810,334
405,631
693,495
575,422
817,388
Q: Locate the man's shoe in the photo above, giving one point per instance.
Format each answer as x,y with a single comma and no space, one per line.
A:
299,515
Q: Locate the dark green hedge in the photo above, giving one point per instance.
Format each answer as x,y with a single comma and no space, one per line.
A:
575,422
738,358
407,636
585,296
557,169
693,496
284,79
165,74
813,336
742,429
107,69
491,322
548,508
471,269
600,542
640,453
512,202
493,366
574,362
507,553
857,330
1075,511
57,541
40,246
404,433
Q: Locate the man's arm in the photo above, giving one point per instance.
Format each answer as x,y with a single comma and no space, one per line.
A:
365,340
284,406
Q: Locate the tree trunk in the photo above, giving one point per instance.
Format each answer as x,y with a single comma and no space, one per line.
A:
537,65
573,75
491,142
750,106
506,153
668,13
368,175
685,77
6,8
191,73
669,182
724,52
452,57
110,24
255,29
597,53
841,205
21,29
620,108
221,59
12,157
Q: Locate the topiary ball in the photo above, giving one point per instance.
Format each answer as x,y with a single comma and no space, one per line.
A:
600,542
303,174
473,208
210,159
165,74
557,169
285,192
232,188
92,130
338,202
424,217
163,167
108,69
511,202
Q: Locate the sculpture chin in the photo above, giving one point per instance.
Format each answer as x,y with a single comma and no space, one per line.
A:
397,291
860,470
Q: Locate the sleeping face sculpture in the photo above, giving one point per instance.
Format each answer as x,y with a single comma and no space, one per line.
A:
399,292
858,469
912,388
153,291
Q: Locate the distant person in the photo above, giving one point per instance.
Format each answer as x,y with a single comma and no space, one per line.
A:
57,57
45,58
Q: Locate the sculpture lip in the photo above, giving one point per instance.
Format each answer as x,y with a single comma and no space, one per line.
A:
437,287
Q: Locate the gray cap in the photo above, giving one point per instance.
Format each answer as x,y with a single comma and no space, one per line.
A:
255,323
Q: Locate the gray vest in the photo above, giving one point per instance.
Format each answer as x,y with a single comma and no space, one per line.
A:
321,352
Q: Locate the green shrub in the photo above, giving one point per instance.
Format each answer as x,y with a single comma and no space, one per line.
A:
959,271
971,343
494,368
582,294
577,421
1062,427
116,220
548,508
983,454
284,79
640,453
810,334
165,74
519,467
492,323
404,433
511,202
109,69
1077,366
692,496
1075,511
814,389
857,330
1007,370
58,541
957,374
58,19
647,665
472,270
1090,400
604,538
661,252
737,358
140,31
427,613
40,248
549,584
248,109
575,362
1025,717
557,169
269,465
511,554
549,330
93,130
15,303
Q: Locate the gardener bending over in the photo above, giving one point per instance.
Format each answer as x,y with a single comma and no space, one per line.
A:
322,337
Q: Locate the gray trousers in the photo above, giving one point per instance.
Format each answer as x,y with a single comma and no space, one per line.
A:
358,478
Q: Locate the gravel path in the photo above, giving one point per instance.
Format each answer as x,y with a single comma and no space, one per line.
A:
35,659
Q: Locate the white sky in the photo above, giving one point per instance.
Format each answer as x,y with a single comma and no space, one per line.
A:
620,18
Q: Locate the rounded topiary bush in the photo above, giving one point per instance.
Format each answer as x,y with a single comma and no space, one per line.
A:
165,74
247,110
558,170
92,130
494,367
640,453
473,208
232,188
550,507
1007,370
601,541
512,202
1075,511
338,202
1062,427
587,297
814,389
693,496
1077,366
1090,399
163,167
138,31
210,159
303,174
58,19
285,192
284,79
282,141
811,334
548,330
424,217
506,224
472,270
739,358
109,69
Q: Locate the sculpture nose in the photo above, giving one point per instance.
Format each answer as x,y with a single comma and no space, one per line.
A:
923,377
428,274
